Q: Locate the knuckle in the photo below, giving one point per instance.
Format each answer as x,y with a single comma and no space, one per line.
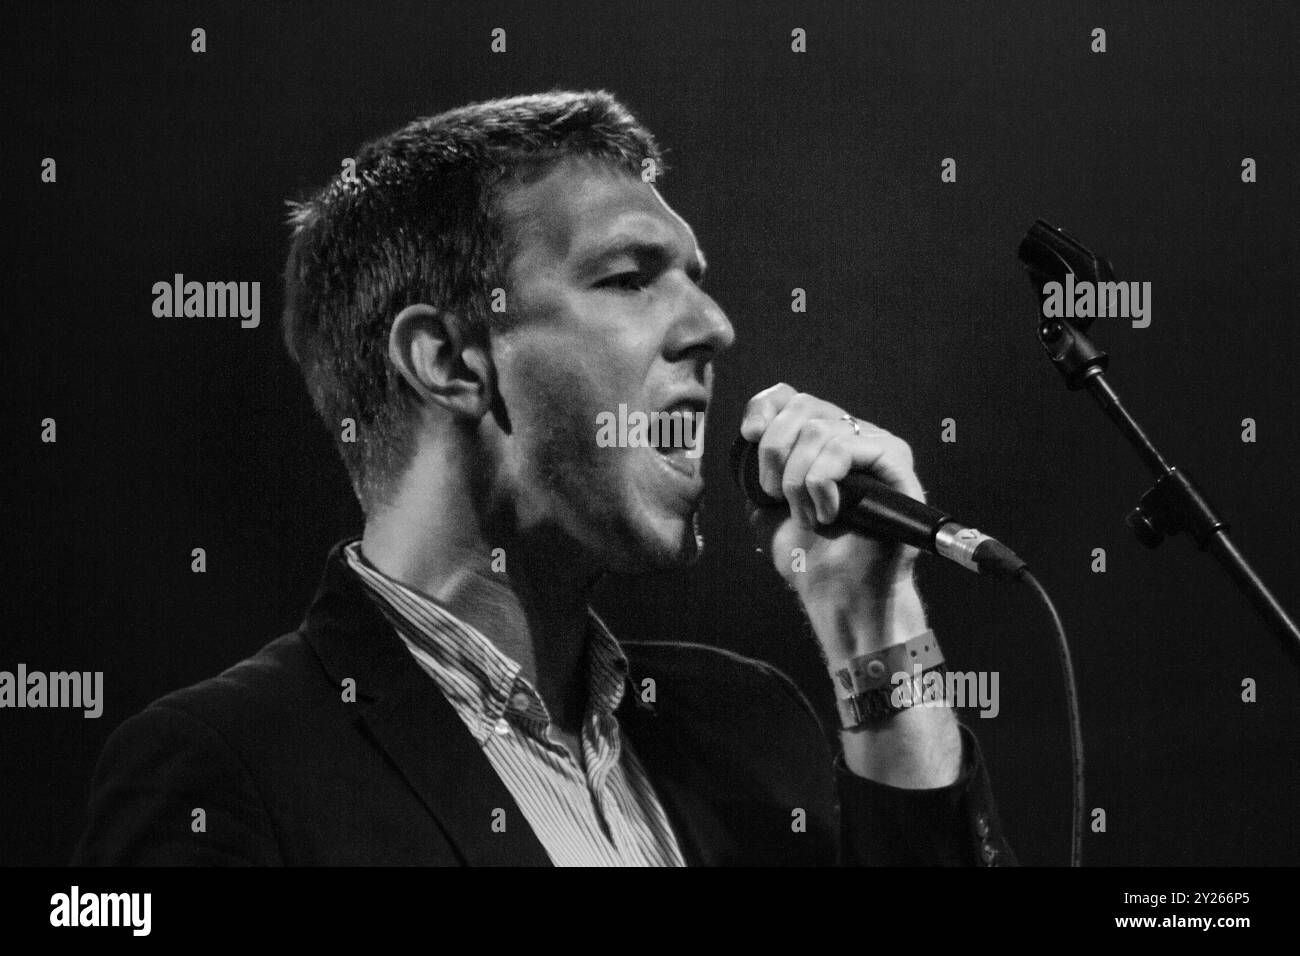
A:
817,481
777,395
839,446
769,401
816,428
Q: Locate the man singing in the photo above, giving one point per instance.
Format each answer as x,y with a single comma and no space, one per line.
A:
490,283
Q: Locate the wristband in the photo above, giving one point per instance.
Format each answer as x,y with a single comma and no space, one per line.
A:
872,671
870,693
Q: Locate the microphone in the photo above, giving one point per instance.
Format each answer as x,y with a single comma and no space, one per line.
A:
873,508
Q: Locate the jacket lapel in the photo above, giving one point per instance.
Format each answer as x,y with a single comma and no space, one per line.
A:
675,783
411,721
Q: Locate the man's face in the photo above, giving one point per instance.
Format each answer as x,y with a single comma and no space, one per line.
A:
607,310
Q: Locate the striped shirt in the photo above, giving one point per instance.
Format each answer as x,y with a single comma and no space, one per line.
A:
603,813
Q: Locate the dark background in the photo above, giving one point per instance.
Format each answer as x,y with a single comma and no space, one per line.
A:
819,171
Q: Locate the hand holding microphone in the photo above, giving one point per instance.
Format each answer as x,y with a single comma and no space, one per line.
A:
837,474
845,514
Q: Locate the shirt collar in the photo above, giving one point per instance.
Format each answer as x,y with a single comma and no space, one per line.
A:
481,681
606,667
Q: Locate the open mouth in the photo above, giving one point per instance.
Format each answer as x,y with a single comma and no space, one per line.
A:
677,434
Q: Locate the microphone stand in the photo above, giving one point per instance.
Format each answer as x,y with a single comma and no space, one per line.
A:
1173,503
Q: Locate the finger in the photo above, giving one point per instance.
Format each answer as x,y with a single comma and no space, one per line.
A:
782,432
762,408
821,481
809,445
886,457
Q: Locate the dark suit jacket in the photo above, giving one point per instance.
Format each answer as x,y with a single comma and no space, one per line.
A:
287,772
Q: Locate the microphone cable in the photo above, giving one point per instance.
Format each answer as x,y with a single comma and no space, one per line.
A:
1072,709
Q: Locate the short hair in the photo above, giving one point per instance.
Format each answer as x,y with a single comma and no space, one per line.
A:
421,222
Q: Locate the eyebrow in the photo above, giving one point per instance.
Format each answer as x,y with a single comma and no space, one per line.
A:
646,253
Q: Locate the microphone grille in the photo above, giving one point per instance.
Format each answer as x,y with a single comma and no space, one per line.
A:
744,469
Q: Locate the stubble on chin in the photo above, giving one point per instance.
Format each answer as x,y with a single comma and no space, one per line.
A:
658,557
593,491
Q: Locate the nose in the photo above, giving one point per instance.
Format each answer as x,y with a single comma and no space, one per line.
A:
700,328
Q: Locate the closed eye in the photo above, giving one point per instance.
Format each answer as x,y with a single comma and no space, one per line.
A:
625,281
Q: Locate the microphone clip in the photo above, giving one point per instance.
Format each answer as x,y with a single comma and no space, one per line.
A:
1049,254
1174,504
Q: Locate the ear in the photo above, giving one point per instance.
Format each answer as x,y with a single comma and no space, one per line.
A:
430,350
